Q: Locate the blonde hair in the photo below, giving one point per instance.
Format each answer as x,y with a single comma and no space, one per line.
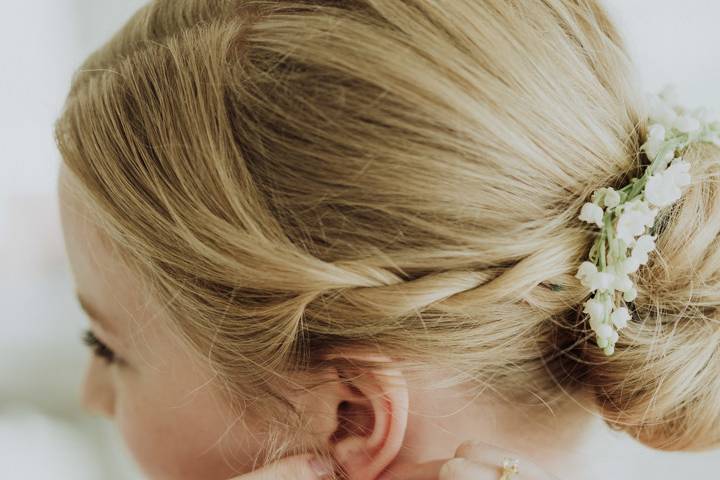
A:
293,178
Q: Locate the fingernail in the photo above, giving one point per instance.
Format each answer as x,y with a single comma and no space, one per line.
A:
320,467
453,468
467,445
472,443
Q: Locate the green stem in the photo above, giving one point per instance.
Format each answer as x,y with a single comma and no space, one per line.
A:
610,236
594,250
606,233
639,183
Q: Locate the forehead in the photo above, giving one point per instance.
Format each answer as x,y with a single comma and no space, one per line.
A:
79,227
112,291
109,292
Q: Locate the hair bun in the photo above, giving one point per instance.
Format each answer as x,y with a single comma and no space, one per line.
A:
663,383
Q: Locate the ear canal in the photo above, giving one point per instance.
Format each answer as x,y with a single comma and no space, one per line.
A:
353,419
356,421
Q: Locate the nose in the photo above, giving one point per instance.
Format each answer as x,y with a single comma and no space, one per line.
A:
98,394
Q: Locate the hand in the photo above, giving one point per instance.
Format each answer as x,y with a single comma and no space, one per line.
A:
473,460
296,467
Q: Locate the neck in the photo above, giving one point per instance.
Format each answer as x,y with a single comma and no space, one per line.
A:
568,440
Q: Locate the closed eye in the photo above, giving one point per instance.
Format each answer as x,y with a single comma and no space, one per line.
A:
99,349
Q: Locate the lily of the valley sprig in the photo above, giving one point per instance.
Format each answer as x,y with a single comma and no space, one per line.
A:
626,217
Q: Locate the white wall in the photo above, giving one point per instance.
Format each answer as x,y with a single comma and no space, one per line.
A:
676,41
42,430
43,433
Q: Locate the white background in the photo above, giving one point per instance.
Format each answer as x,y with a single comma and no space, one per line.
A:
43,433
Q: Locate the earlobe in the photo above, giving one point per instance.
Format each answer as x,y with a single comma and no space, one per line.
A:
372,419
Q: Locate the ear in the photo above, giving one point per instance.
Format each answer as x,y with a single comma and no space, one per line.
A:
370,415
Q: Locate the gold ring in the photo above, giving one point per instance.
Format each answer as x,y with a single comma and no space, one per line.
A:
510,468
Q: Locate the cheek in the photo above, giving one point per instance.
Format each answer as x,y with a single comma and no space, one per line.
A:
183,437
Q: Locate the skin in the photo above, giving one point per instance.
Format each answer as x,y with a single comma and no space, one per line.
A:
166,405
159,396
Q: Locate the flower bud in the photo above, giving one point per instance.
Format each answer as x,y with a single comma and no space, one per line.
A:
612,198
592,213
597,309
656,132
630,295
604,331
686,124
630,265
621,281
620,317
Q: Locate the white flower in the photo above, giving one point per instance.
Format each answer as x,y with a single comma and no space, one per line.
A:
596,321
585,272
592,213
604,331
598,310
643,245
607,196
591,278
656,138
664,188
686,124
629,265
710,136
612,198
652,148
636,215
598,281
656,132
630,295
667,156
630,220
614,337
622,282
706,115
681,171
661,112
586,268
620,317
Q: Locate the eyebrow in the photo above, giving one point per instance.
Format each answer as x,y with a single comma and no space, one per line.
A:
94,314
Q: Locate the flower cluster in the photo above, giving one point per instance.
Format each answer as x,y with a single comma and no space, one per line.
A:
626,217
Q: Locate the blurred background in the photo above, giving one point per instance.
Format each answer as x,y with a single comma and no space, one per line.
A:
43,432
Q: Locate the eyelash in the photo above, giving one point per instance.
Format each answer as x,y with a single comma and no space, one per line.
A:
99,348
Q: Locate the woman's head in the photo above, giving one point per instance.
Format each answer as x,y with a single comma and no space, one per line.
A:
288,180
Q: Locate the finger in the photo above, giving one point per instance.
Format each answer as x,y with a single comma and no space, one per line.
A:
481,452
488,456
492,456
415,471
460,468
297,467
